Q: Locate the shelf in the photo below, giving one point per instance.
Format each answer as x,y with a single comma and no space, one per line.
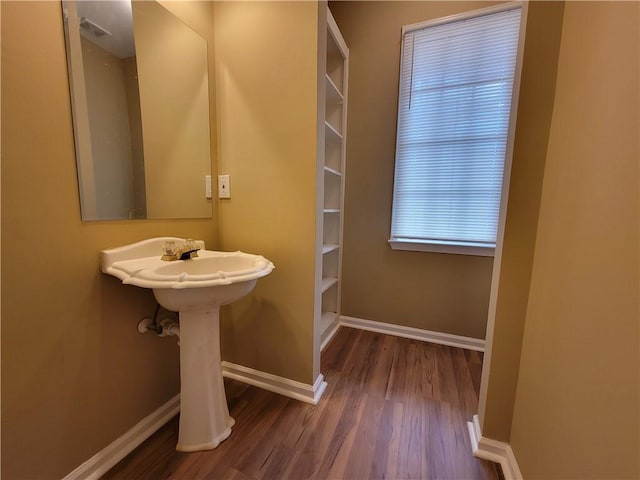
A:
327,283
330,247
331,134
332,171
326,319
333,155
332,179
333,93
332,192
331,231
337,52
330,264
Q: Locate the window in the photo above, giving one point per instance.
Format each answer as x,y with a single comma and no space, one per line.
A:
456,84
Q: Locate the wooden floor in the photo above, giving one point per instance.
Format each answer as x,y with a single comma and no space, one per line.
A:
394,409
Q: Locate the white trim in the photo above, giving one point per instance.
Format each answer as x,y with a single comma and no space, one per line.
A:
109,456
502,221
414,333
106,458
273,383
494,451
480,12
442,247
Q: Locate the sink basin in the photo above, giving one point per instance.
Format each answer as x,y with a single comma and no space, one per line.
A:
140,264
209,280
195,288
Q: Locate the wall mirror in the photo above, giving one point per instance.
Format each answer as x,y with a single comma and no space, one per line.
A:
139,88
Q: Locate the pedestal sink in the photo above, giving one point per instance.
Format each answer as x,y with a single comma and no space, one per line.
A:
195,288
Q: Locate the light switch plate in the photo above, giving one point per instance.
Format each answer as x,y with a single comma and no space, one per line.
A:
207,186
224,186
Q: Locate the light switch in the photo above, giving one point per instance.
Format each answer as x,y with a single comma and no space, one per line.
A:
224,187
207,186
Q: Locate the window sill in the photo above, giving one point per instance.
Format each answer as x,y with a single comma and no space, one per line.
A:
443,247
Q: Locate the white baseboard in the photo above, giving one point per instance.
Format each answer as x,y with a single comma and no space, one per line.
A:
273,383
106,458
414,333
494,451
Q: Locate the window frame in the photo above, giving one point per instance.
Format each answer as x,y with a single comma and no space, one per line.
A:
457,247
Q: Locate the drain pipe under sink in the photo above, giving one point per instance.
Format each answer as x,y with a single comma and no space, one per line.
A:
167,327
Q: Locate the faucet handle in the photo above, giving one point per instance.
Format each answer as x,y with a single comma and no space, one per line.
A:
170,247
190,245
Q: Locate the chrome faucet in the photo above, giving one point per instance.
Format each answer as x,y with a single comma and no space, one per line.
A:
188,251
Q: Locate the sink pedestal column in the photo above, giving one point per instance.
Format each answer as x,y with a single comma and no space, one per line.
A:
204,414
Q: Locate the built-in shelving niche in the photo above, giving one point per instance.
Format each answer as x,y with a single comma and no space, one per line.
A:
335,93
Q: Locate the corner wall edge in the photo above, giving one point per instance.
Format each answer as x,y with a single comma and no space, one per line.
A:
493,450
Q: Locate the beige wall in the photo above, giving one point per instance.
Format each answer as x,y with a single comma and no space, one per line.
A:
266,64
577,409
513,274
440,292
175,112
75,373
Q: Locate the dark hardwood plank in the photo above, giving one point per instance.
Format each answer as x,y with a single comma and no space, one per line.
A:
394,408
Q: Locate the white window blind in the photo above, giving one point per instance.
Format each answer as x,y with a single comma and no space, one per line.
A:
456,84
